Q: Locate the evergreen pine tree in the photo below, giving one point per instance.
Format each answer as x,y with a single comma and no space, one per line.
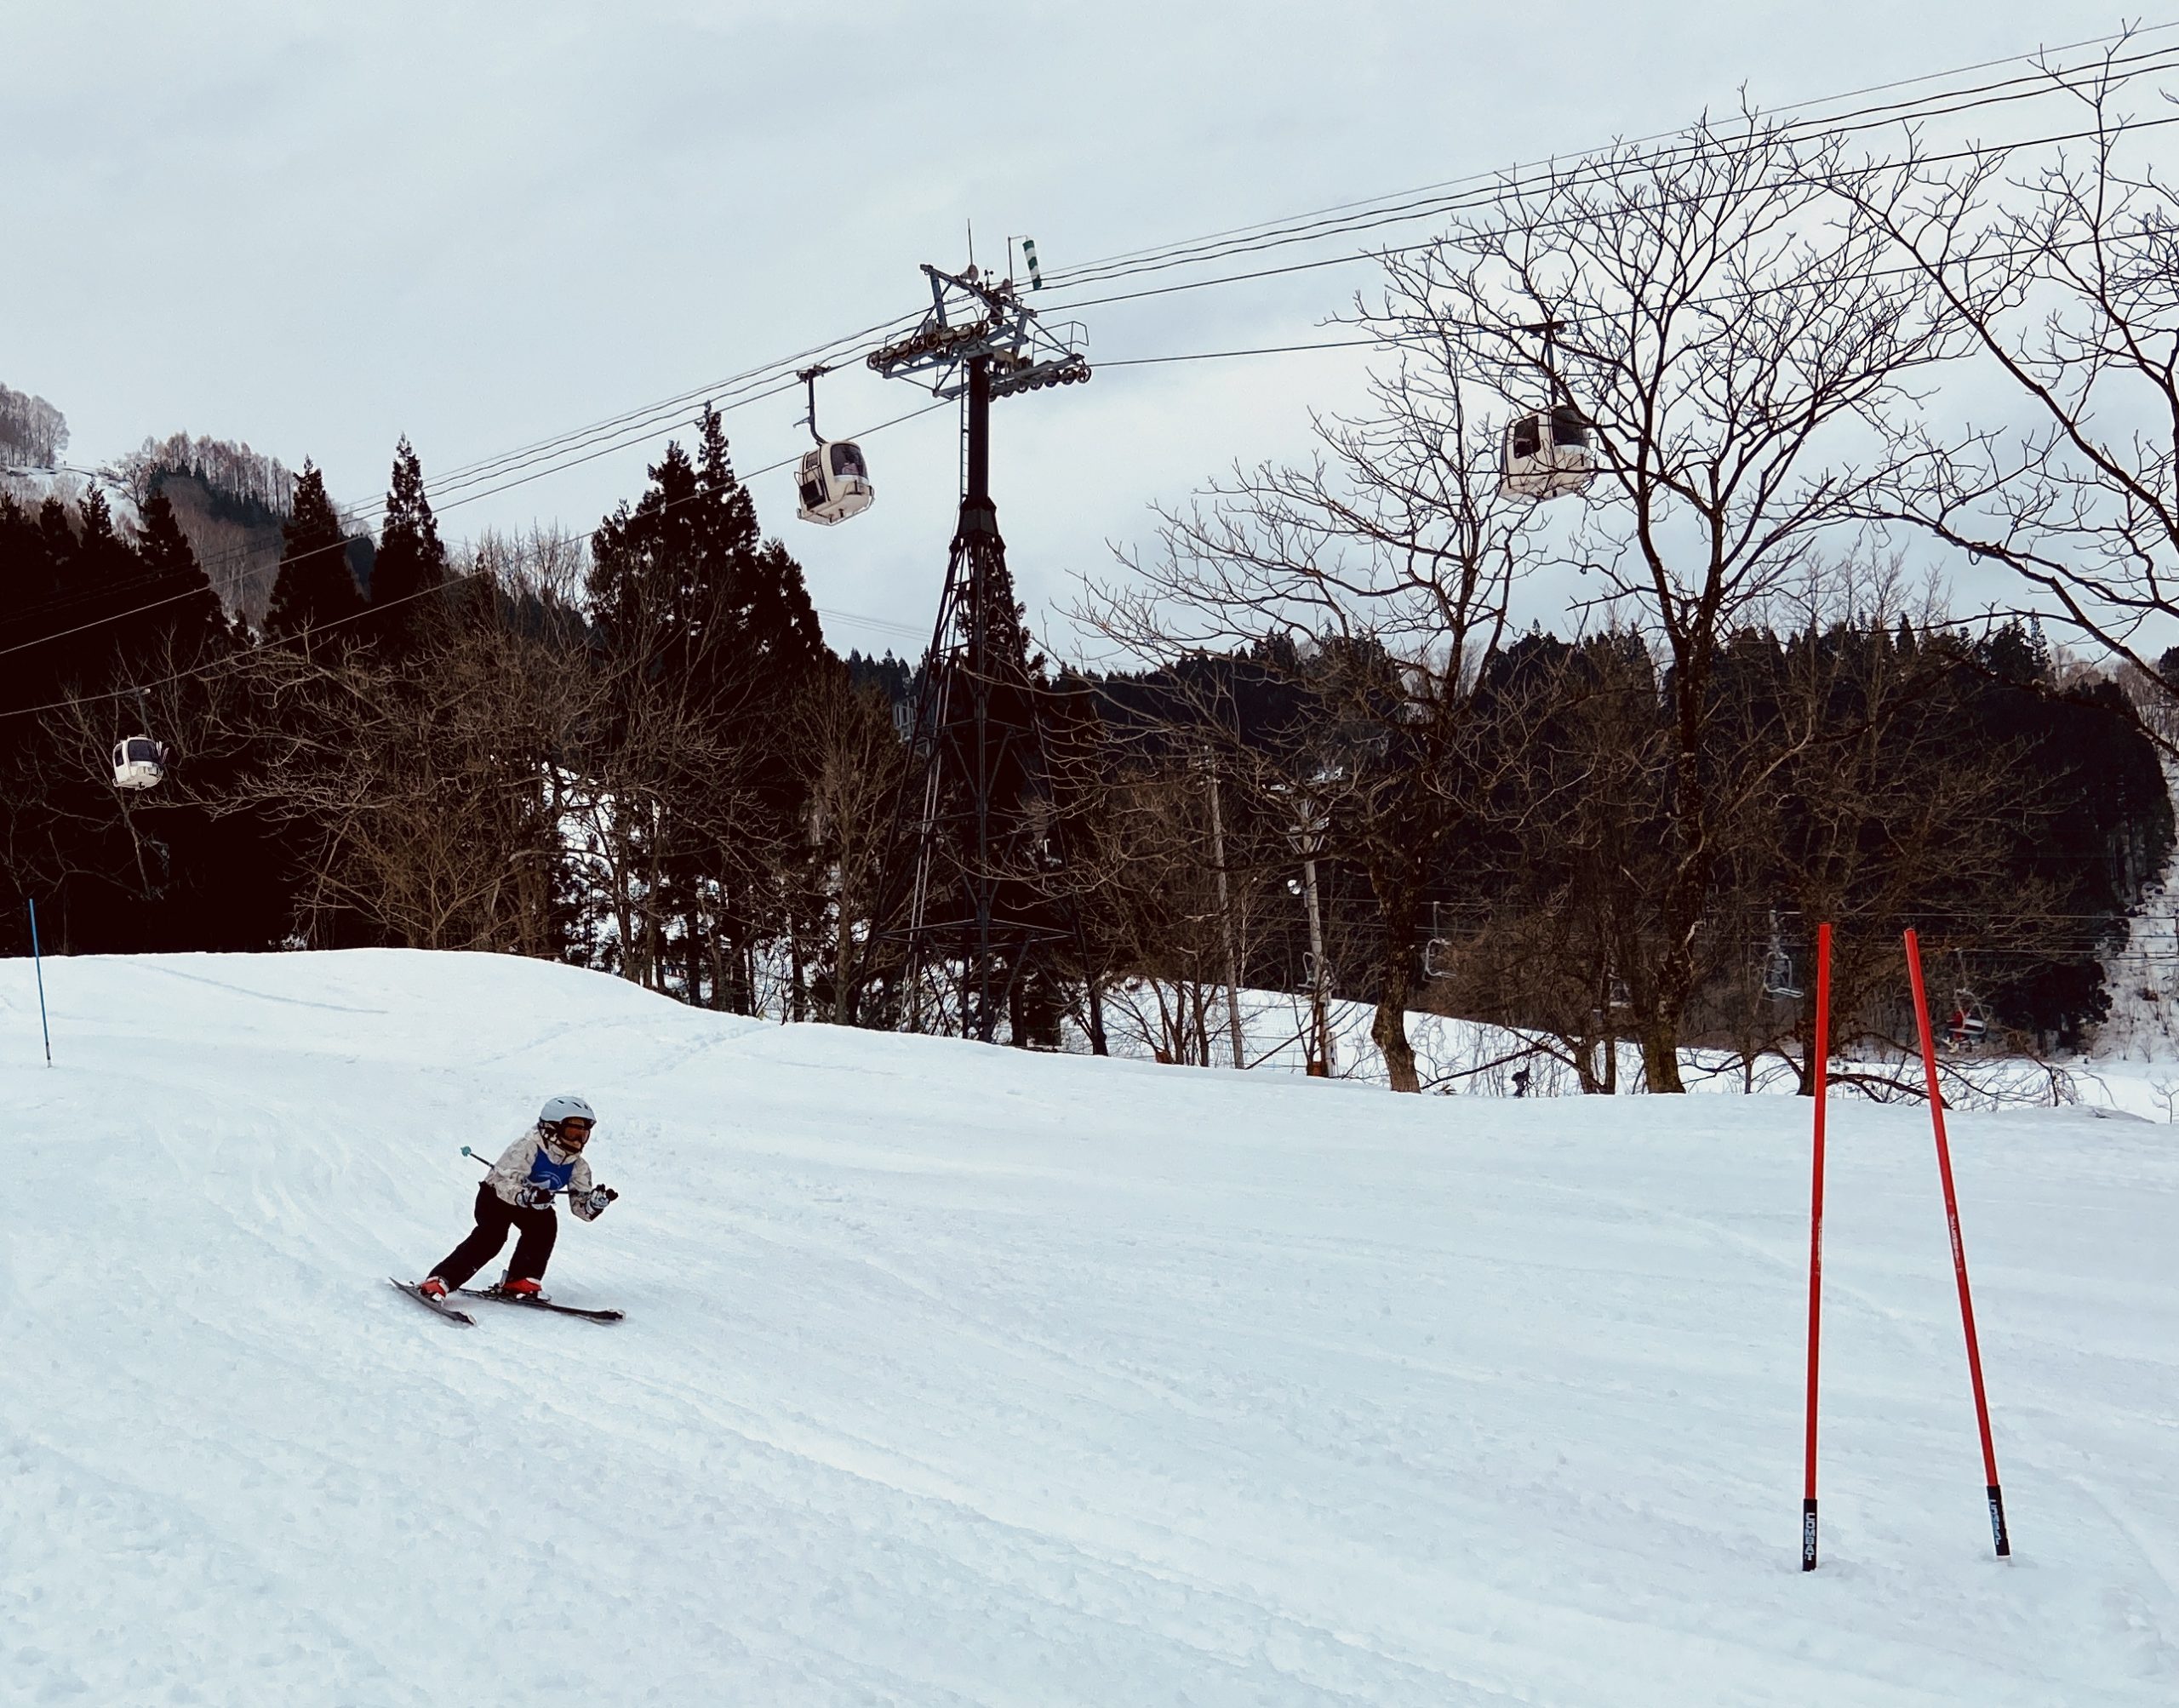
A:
781,635
182,604
699,607
643,563
31,583
160,543
97,540
22,566
411,560
100,589
315,587
57,537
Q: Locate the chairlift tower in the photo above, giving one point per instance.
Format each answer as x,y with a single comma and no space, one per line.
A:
975,817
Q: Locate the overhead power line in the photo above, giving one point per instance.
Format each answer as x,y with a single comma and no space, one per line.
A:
1353,257
486,477
585,444
1473,178
672,409
1258,349
1483,190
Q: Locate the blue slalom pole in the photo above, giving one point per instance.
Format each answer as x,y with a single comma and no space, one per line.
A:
38,967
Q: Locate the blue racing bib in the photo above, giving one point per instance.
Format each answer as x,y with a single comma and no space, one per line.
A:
545,1172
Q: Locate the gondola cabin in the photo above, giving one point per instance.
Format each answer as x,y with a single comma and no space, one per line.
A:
1547,455
138,763
834,482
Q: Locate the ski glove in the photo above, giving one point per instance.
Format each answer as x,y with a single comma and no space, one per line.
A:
535,1197
599,1198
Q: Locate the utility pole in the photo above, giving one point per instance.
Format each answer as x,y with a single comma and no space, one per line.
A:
977,808
1224,914
1312,818
1319,1019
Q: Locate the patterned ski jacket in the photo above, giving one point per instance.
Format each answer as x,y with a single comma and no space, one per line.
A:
531,1161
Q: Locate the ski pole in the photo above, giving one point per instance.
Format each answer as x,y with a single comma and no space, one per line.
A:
557,1191
1959,1251
1821,1065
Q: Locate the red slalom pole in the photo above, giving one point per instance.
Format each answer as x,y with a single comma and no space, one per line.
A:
1816,1236
1958,1250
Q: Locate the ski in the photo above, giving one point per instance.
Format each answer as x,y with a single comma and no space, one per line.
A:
493,1293
432,1305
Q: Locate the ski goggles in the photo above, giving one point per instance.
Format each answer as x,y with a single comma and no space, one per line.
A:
574,1131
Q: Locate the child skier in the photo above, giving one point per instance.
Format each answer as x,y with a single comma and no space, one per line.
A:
519,1193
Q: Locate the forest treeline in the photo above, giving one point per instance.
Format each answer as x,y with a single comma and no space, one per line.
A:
1335,764
637,753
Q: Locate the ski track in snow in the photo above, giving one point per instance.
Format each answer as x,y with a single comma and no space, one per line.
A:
956,1376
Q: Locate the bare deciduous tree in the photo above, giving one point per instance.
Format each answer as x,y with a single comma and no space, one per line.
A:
31,431
1384,571
2063,269
854,760
1723,317
432,786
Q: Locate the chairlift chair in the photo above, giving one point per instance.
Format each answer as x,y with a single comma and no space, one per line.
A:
1778,980
833,481
1437,947
1547,455
1969,1028
139,762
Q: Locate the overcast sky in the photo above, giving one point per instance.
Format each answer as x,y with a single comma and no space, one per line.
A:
318,227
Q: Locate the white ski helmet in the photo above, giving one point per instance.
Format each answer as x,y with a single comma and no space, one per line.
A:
559,1109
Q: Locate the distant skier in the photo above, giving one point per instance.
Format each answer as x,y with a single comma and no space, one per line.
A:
518,1192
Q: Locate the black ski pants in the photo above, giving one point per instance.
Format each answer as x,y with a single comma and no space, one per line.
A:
496,1217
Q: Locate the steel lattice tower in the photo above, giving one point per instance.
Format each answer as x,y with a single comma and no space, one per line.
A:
976,835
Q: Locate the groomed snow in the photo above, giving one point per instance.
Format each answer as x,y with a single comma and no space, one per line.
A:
956,1375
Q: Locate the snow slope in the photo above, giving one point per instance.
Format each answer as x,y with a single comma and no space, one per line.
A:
955,1375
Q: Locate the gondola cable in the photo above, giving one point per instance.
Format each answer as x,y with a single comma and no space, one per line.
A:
645,425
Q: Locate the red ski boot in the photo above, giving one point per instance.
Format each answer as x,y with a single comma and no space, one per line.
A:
432,1288
522,1289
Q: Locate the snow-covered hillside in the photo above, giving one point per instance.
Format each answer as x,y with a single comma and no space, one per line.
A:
955,1375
